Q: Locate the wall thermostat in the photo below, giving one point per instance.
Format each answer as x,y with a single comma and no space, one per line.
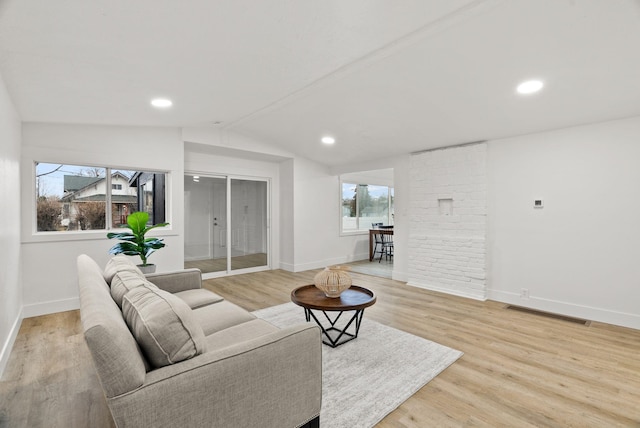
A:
537,203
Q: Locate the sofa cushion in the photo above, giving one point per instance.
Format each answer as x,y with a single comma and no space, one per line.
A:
117,264
199,297
222,315
163,325
240,333
117,357
125,281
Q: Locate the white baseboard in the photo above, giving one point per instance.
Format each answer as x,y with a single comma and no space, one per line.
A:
289,267
347,259
453,292
8,344
568,309
300,267
220,274
51,307
399,276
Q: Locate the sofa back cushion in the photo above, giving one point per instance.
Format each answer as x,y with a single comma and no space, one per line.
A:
125,281
117,264
163,325
117,357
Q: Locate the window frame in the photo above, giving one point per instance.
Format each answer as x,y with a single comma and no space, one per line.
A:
358,231
74,235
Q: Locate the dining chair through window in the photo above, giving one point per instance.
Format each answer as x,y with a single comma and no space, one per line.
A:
387,247
378,244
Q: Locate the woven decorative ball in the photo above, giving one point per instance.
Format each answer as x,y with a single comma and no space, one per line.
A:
333,280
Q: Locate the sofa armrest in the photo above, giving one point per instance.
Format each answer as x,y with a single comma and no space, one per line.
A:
273,380
180,280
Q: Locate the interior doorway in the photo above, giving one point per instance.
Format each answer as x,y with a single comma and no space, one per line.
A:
368,203
226,224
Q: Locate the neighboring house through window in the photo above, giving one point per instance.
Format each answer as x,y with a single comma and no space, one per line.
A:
73,197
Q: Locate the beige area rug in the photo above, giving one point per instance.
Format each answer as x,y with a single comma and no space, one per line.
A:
367,378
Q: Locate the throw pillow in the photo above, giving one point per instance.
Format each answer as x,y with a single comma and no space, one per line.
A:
163,325
117,264
125,281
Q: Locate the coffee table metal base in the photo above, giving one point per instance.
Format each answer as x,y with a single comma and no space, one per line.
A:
341,335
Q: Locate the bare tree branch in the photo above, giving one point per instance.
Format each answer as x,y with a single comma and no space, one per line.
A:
50,172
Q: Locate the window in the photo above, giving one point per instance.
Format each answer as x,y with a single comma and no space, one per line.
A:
364,204
75,197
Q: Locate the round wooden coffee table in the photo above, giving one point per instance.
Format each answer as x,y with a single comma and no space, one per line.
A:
336,332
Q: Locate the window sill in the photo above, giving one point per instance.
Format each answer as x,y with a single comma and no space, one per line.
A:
355,233
86,235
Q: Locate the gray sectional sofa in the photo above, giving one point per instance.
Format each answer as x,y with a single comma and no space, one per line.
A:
169,353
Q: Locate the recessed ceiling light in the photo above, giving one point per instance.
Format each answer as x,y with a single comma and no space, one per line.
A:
529,87
161,102
328,139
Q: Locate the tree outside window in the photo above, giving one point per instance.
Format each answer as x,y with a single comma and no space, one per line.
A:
364,204
74,197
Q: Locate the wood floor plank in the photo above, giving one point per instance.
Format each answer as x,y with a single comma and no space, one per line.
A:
220,264
518,369
50,380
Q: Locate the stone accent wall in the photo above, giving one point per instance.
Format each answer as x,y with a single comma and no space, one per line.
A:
448,220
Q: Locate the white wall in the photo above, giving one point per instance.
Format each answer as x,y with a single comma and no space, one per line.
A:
400,183
205,161
49,260
448,222
10,260
306,195
317,241
235,143
205,218
287,253
236,154
580,254
317,205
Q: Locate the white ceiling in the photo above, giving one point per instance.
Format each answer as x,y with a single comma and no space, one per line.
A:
383,76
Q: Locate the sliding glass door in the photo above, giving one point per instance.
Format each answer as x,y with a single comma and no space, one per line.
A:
248,223
226,224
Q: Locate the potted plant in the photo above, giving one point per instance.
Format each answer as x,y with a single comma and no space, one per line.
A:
134,242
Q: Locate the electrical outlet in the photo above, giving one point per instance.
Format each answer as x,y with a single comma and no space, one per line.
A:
524,293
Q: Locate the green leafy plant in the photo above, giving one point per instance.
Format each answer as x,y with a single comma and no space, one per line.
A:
134,242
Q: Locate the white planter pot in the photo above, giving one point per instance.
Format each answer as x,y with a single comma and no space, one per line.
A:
149,268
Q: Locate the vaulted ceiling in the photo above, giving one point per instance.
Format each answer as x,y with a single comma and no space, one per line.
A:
382,76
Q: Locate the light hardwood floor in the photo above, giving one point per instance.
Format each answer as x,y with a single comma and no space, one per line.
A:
50,380
237,262
518,370
383,268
